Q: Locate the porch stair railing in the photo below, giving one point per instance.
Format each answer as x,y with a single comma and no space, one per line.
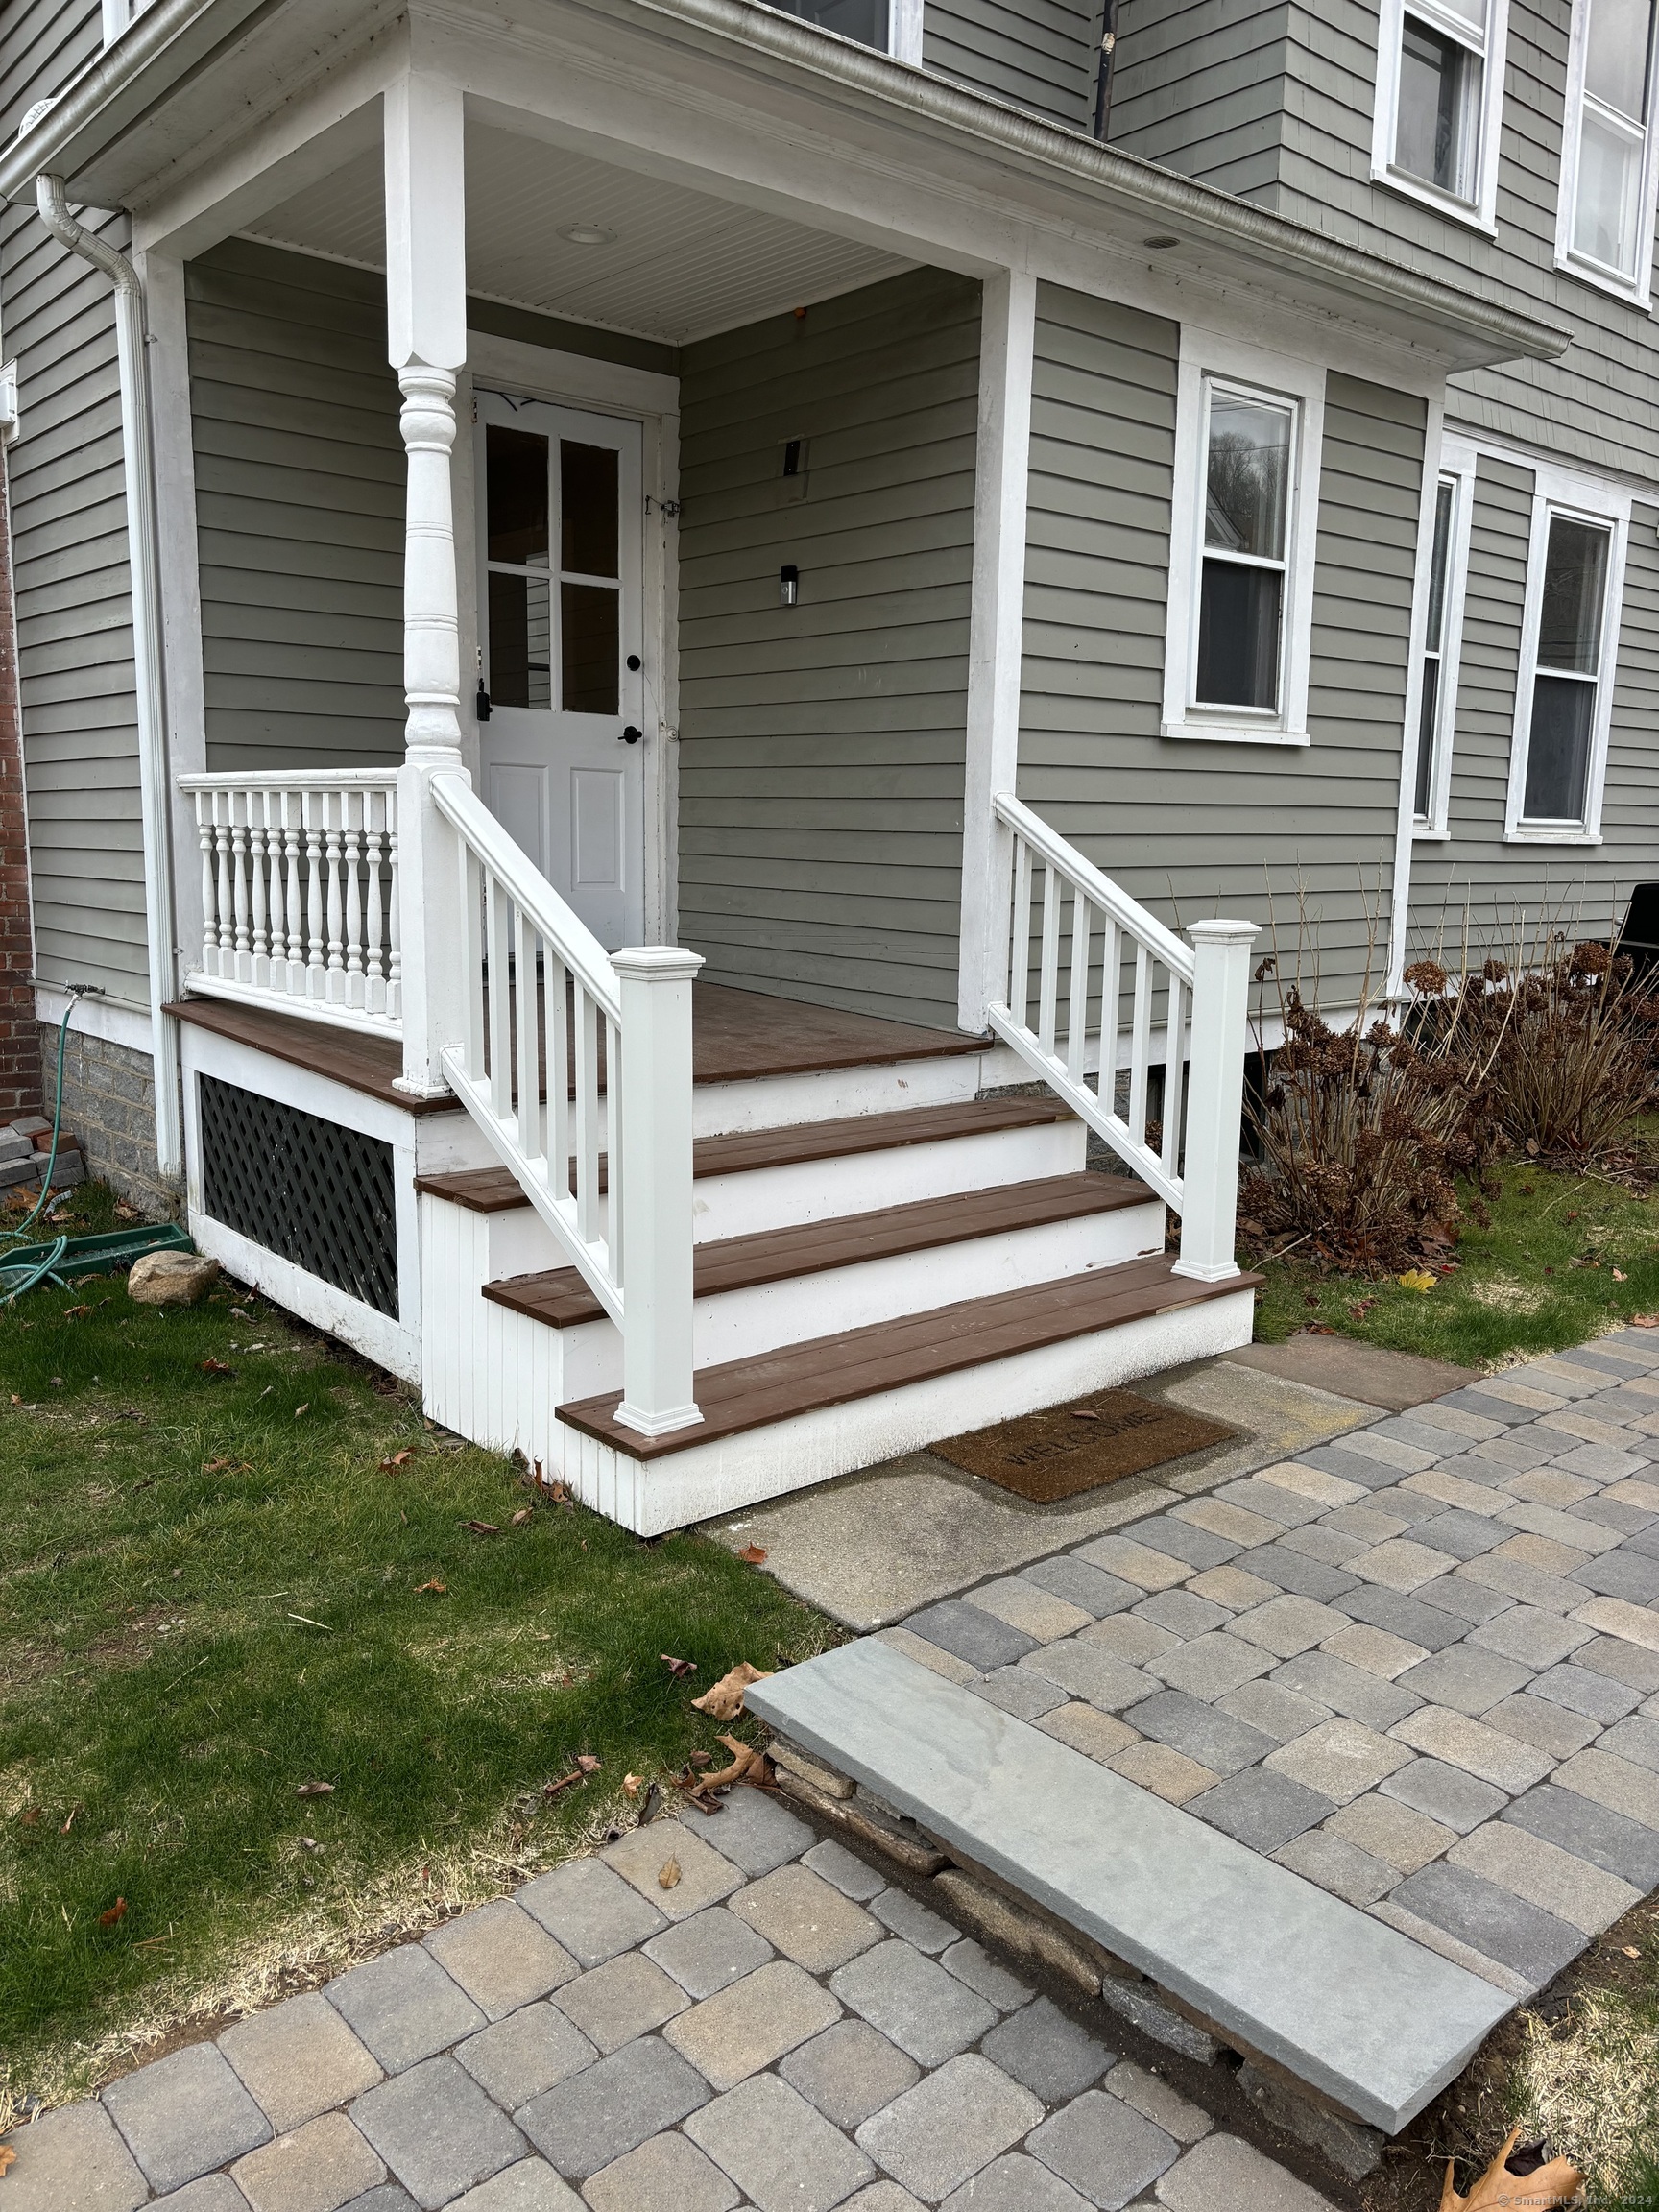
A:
1097,994
576,1064
299,894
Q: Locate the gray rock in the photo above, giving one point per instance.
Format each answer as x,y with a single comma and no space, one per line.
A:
1581,1690
171,1278
1350,2146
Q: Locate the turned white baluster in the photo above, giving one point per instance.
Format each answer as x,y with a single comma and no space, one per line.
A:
209,898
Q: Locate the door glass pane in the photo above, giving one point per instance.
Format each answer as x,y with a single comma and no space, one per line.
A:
865,21
1574,576
591,649
1426,737
1609,183
1438,566
520,640
1239,636
1438,86
516,468
588,519
1559,749
1248,478
1616,52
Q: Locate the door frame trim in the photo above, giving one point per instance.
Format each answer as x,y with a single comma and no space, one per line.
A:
640,396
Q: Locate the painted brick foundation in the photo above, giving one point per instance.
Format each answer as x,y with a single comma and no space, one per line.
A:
19,1048
109,1104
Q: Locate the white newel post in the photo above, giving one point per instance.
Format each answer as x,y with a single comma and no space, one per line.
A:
655,1139
1215,1098
427,343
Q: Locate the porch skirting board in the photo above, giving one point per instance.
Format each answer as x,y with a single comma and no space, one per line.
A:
376,1336
702,1484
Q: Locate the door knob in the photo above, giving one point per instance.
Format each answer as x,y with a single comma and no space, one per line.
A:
632,735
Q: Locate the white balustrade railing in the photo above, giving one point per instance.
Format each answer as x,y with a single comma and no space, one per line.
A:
577,1064
1099,994
300,892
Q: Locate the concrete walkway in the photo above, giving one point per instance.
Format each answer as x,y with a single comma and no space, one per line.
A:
778,2028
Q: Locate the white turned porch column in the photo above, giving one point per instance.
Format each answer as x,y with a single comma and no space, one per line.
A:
1215,1098
426,345
1008,323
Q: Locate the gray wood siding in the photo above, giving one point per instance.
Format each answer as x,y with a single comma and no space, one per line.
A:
1199,88
298,511
821,746
69,539
1191,828
1037,54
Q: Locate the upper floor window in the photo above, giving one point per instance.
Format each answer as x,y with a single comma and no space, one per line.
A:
1439,102
891,26
1605,223
1241,554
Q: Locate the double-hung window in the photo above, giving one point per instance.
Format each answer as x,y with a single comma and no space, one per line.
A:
1441,582
1439,102
1242,546
1604,224
1569,647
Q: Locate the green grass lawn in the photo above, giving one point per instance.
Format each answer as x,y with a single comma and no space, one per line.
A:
211,1594
1566,1258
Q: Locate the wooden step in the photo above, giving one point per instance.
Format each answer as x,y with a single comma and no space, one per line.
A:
496,1190
560,1298
745,1394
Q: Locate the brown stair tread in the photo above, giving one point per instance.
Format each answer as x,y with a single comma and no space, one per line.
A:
746,1394
496,1190
560,1298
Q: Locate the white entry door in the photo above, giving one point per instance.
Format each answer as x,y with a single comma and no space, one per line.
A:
561,637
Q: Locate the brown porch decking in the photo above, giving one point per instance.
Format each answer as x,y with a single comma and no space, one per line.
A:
736,1036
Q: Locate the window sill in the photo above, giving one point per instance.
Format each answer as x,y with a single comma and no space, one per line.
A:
1633,295
1458,211
1424,834
1524,834
1233,733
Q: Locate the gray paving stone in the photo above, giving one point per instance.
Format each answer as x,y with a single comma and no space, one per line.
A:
297,2059
706,1875
1215,1739
752,1830
184,2115
913,2002
437,2130
1511,1856
1517,1454
739,2030
1182,1613
318,2168
970,1633
1491,1920
1534,1638
972,1964
780,2153
1466,1677
1465,1601
1423,1436
1401,1616
1635,1740
849,2071
1092,1675
626,1997
807,1918
1352,1691
1464,1535
1046,2051
1342,1759
526,2053
1108,2152
1445,1793
1620,1662
852,1876
1291,1624
1017,1689
668,2174
1134,1639
1277,1712
77,2162
714,1947
500,1957
589,1909
1183,1539
1223,2174
901,1914
390,2196
1212,1665
949,2125
1351,1466
882,2197
529,2186
1091,1587
1329,1546
1261,1809
1289,1569
1625,1574
218,2193
1630,1521
1337,1865
1489,1473
1156,2100
1553,1728
1273,1502
1626,1848
1581,1690
1488,1407
1015,2183
612,2106
1385,1829
1415,1508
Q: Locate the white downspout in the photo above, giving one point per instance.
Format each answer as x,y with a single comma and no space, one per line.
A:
154,795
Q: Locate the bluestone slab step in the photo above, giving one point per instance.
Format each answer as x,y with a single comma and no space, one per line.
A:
1349,2006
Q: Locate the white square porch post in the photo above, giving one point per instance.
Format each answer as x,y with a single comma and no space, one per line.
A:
427,343
1007,335
1215,1097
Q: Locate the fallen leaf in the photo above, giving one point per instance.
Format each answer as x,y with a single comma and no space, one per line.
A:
32,1818
212,1366
306,1409
1619,1276
1629,1950
631,1785
668,1874
309,1843
746,1762
434,1588
76,1313
1644,1320
70,1822
1498,2189
315,1790
585,1766
7,2158
1418,1279
678,1667
524,1514
482,1527
754,1553
116,1912
1078,1415
396,1461
725,1700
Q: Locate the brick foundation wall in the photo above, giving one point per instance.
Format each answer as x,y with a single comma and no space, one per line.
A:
109,1104
19,1043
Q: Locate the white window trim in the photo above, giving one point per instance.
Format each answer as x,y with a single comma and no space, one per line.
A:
1591,499
904,30
1638,287
1480,213
1205,353
1457,461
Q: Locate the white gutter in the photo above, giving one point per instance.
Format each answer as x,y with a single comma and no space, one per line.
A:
154,797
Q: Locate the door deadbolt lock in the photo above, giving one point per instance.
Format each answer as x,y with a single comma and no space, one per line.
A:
632,735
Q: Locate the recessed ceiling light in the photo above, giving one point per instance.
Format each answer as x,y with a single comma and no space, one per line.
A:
587,235
1158,244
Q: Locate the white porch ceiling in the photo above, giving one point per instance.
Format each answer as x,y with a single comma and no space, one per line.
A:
682,264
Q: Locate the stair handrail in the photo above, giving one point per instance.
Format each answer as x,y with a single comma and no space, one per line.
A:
605,1159
1204,995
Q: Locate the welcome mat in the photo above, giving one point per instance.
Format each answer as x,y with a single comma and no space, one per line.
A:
1065,1449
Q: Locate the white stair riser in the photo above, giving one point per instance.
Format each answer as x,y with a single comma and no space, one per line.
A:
828,1093
482,1364
705,1481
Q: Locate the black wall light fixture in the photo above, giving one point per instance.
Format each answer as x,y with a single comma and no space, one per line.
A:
788,584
